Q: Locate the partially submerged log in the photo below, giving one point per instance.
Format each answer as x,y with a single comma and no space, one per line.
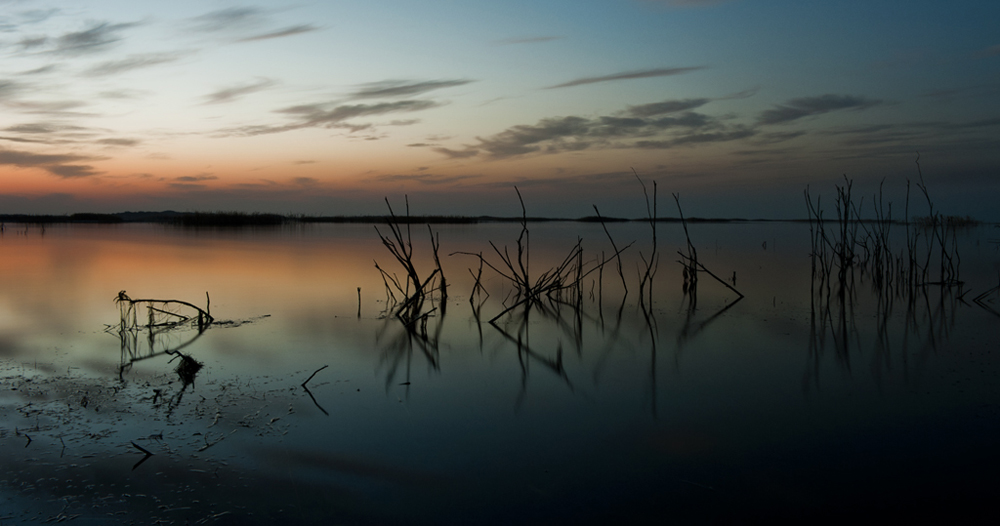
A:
162,313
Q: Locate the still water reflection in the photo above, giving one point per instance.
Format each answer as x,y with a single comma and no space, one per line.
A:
597,407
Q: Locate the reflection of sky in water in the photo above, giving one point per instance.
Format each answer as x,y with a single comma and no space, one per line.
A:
606,416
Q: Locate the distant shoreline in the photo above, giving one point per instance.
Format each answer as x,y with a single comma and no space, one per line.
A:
241,219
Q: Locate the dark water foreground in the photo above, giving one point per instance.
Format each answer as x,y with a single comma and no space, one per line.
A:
775,408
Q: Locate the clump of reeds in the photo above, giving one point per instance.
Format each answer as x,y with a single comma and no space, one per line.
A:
561,284
691,265
652,264
414,290
858,248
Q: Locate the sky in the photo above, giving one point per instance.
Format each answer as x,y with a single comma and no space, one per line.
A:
331,107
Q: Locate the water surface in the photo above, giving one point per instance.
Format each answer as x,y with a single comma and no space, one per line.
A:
597,409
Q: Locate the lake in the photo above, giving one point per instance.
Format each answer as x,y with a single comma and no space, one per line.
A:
307,401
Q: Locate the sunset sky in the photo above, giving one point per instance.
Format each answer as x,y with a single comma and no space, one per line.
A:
326,107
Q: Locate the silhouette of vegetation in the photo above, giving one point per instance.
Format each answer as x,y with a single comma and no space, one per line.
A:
228,219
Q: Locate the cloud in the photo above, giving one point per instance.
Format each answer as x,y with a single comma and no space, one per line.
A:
56,164
528,40
574,133
196,178
668,106
43,127
628,75
95,39
314,114
52,107
34,16
776,137
423,178
329,116
402,88
855,130
698,138
287,32
305,181
130,63
119,142
457,154
808,106
235,92
10,89
28,43
229,18
121,94
22,139
72,171
40,70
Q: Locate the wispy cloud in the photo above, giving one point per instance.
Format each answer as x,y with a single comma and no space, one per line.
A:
49,68
738,132
43,128
130,63
575,133
119,142
874,128
60,165
456,154
329,116
35,16
229,18
246,23
71,171
9,89
286,32
628,75
51,107
22,140
237,91
196,178
424,178
403,88
34,42
777,137
317,114
808,106
667,106
96,38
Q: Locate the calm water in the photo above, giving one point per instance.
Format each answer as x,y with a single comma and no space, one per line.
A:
772,407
